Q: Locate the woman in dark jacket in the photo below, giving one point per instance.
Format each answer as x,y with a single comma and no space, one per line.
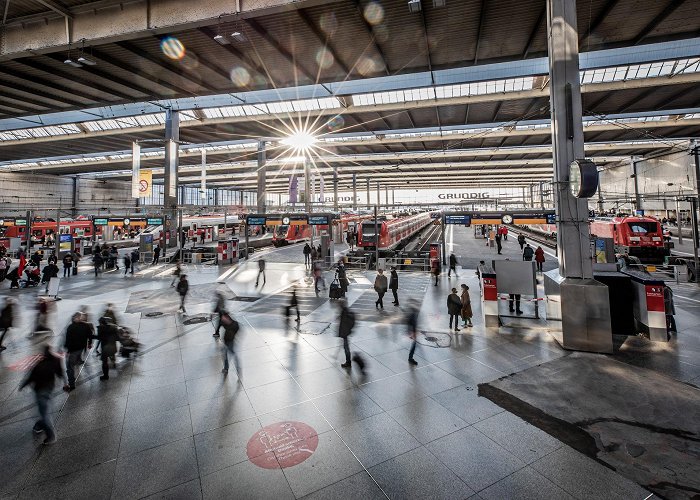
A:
454,308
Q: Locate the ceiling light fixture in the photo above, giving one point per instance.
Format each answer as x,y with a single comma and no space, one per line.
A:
439,3
86,61
238,36
71,62
222,40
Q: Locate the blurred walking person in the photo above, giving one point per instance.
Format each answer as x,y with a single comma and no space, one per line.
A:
176,272
67,265
453,266
7,318
97,263
454,308
318,277
394,285
346,324
293,304
261,271
42,316
412,328
669,307
156,255
108,335
183,286
127,263
435,269
466,306
78,338
231,328
307,255
42,379
219,310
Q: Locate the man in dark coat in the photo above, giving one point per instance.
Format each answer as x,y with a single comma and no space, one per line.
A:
78,338
394,285
412,327
453,266
454,308
183,287
108,335
380,286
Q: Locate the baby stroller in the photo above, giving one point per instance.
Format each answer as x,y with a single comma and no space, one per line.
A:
33,277
128,344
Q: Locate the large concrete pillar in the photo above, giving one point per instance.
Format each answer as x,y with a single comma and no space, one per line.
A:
170,191
584,303
637,196
262,173
76,196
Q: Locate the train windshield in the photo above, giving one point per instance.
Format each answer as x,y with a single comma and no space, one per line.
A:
281,231
643,227
368,229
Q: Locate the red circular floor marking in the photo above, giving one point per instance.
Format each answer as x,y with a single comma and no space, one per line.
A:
282,445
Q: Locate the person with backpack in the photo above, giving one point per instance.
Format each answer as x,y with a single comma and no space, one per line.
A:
97,262
231,328
75,258
127,264
183,287
394,285
42,379
412,327
528,253
381,285
521,241
346,324
67,265
454,308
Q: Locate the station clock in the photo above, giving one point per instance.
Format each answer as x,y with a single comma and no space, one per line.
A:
583,178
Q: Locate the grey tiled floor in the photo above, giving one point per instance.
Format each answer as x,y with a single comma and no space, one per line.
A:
169,425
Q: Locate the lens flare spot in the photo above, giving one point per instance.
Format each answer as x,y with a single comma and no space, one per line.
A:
367,66
335,123
374,13
240,76
381,33
324,58
172,48
329,23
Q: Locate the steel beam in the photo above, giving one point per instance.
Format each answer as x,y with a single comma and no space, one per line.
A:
667,11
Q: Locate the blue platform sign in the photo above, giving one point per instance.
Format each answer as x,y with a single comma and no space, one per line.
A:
465,220
318,220
551,218
256,221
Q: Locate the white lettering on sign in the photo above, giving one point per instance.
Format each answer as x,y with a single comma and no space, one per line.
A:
462,196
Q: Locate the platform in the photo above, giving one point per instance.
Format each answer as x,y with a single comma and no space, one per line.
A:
168,424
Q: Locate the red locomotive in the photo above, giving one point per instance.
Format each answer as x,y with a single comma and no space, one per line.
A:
391,231
641,237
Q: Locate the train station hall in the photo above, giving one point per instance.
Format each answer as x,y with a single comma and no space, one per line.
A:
479,219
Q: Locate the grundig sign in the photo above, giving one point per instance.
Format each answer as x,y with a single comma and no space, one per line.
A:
463,196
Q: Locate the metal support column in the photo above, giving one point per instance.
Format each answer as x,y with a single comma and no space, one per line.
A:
584,303
542,195
262,172
335,188
442,240
369,204
307,186
354,191
76,196
532,196
170,181
376,237
637,197
379,194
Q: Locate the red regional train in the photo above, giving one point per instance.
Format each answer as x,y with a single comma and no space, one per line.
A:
641,237
79,228
287,234
391,231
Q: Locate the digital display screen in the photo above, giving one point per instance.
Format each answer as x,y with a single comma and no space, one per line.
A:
551,218
255,221
20,222
100,222
318,220
458,219
155,221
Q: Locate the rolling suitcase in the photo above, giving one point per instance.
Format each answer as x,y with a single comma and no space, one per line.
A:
335,291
